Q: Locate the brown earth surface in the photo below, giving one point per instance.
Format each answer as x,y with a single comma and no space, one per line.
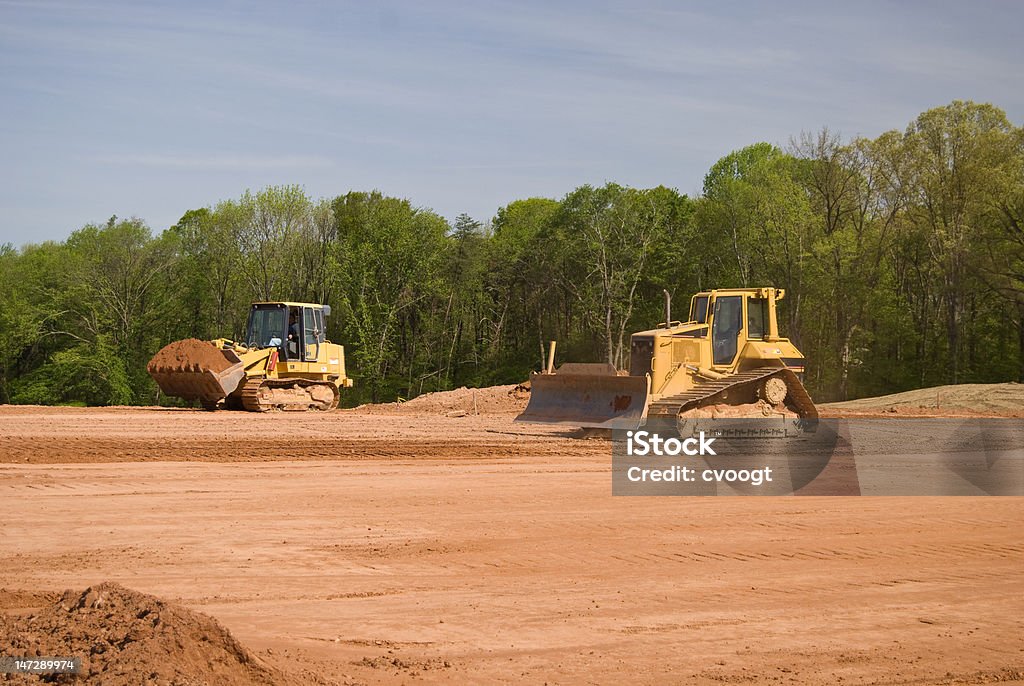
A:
190,353
411,545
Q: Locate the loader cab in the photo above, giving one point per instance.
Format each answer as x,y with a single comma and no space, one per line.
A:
268,325
297,330
309,331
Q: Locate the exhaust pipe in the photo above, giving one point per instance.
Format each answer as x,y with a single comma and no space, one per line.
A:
668,308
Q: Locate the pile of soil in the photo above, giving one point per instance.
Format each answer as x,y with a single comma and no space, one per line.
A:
126,638
187,354
978,400
758,410
509,399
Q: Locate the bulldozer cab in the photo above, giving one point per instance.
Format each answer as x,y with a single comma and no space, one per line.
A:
726,327
723,314
295,329
734,316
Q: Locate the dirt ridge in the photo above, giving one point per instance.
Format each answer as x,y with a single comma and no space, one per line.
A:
991,400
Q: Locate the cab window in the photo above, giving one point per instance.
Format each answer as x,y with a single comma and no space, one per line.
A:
699,309
311,340
726,327
266,326
757,315
322,335
294,348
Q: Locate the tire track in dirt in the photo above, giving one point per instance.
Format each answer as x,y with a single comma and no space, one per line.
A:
975,551
81,435
65,450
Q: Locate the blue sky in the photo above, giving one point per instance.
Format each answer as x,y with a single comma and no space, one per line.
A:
150,109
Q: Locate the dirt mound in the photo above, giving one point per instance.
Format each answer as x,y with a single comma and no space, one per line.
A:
509,399
125,638
980,400
190,353
758,410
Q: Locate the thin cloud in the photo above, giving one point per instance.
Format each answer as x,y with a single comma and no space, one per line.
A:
218,162
459,106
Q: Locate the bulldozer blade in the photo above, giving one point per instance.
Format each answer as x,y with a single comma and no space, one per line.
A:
195,370
588,399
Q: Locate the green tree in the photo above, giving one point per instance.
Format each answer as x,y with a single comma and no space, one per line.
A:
271,226
523,303
959,153
390,255
610,234
757,209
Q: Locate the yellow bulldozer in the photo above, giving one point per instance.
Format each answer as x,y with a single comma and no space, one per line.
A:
284,363
727,360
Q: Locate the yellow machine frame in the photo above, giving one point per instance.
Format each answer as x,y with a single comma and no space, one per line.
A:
270,370
327,365
682,353
729,351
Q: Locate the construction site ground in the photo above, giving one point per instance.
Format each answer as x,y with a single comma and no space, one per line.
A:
438,541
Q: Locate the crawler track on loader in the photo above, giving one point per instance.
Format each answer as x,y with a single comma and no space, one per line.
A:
743,384
263,395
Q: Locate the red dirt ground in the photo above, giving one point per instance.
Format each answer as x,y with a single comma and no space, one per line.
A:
412,547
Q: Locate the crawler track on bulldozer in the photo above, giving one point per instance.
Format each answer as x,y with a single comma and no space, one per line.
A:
739,385
263,395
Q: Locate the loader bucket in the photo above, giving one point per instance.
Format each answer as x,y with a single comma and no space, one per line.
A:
587,396
196,370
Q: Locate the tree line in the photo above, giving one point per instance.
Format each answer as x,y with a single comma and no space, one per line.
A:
902,257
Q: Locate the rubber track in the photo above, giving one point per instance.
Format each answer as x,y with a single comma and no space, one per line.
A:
250,393
708,392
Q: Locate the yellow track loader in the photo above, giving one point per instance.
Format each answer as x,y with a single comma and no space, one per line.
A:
284,363
728,360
